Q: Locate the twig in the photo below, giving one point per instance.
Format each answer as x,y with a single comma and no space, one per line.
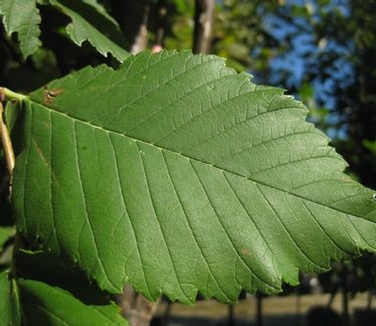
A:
6,143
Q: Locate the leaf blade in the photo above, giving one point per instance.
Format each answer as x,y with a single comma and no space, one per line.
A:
45,304
91,23
22,18
211,182
9,305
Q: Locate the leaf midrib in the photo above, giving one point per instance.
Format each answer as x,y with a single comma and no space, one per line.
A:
73,119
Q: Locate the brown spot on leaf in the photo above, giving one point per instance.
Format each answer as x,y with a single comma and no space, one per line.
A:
246,252
50,94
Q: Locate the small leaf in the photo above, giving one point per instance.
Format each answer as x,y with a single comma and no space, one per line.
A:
22,17
47,305
6,232
48,268
90,22
179,175
9,305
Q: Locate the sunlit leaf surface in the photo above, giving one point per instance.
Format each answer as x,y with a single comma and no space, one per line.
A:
179,175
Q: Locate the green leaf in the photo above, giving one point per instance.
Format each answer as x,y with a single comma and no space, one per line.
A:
22,17
47,268
43,304
179,175
6,232
9,305
69,287
90,22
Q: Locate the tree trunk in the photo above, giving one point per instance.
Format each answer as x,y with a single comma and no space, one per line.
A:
131,17
135,308
230,321
259,320
204,16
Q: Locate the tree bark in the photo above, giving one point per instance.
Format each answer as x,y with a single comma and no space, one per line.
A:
135,308
131,17
204,17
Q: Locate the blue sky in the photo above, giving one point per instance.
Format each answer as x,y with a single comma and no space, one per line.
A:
304,52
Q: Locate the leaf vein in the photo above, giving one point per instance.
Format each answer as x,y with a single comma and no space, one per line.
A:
188,157
286,230
191,229
322,228
122,189
167,247
84,200
254,224
52,178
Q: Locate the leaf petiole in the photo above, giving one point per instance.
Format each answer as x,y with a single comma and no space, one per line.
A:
7,93
4,132
6,143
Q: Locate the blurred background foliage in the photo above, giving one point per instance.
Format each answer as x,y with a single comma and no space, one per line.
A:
321,51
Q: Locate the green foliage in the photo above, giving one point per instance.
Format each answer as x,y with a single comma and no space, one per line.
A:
22,17
173,148
89,21
9,305
172,173
43,304
5,234
239,32
181,34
